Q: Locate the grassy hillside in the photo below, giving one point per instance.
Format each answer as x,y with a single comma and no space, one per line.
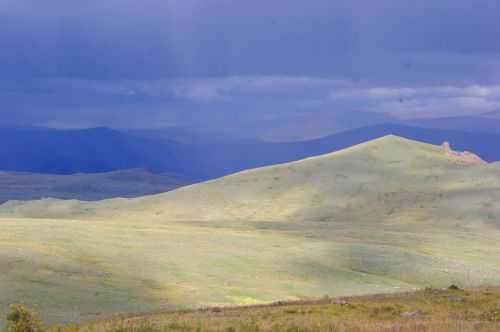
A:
385,216
385,180
87,187
429,310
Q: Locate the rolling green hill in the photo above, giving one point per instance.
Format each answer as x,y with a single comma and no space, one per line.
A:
386,180
384,216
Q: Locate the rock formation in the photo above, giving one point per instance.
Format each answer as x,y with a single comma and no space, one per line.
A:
462,157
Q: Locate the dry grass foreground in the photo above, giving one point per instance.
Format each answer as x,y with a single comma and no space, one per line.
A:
427,310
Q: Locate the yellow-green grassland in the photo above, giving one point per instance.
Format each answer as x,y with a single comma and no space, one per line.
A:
387,216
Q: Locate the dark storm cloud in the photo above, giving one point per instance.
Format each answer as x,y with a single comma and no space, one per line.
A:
93,62
153,39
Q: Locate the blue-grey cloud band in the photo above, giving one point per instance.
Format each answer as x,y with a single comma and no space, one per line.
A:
168,61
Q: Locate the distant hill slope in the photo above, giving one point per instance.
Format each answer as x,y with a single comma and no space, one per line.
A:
43,150
484,144
389,178
226,159
482,123
187,135
87,187
103,150
384,216
310,125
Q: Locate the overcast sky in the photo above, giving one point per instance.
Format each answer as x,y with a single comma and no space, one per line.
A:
127,63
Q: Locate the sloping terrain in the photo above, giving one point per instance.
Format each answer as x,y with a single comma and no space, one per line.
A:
483,123
443,310
309,125
384,216
87,187
389,177
188,136
94,150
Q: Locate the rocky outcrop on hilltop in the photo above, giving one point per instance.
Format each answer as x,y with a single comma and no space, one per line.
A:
462,157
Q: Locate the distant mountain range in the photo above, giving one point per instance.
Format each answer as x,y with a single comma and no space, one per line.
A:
43,150
96,150
483,123
188,135
316,125
308,126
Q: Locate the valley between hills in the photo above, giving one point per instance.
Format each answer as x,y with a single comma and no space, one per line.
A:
385,216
